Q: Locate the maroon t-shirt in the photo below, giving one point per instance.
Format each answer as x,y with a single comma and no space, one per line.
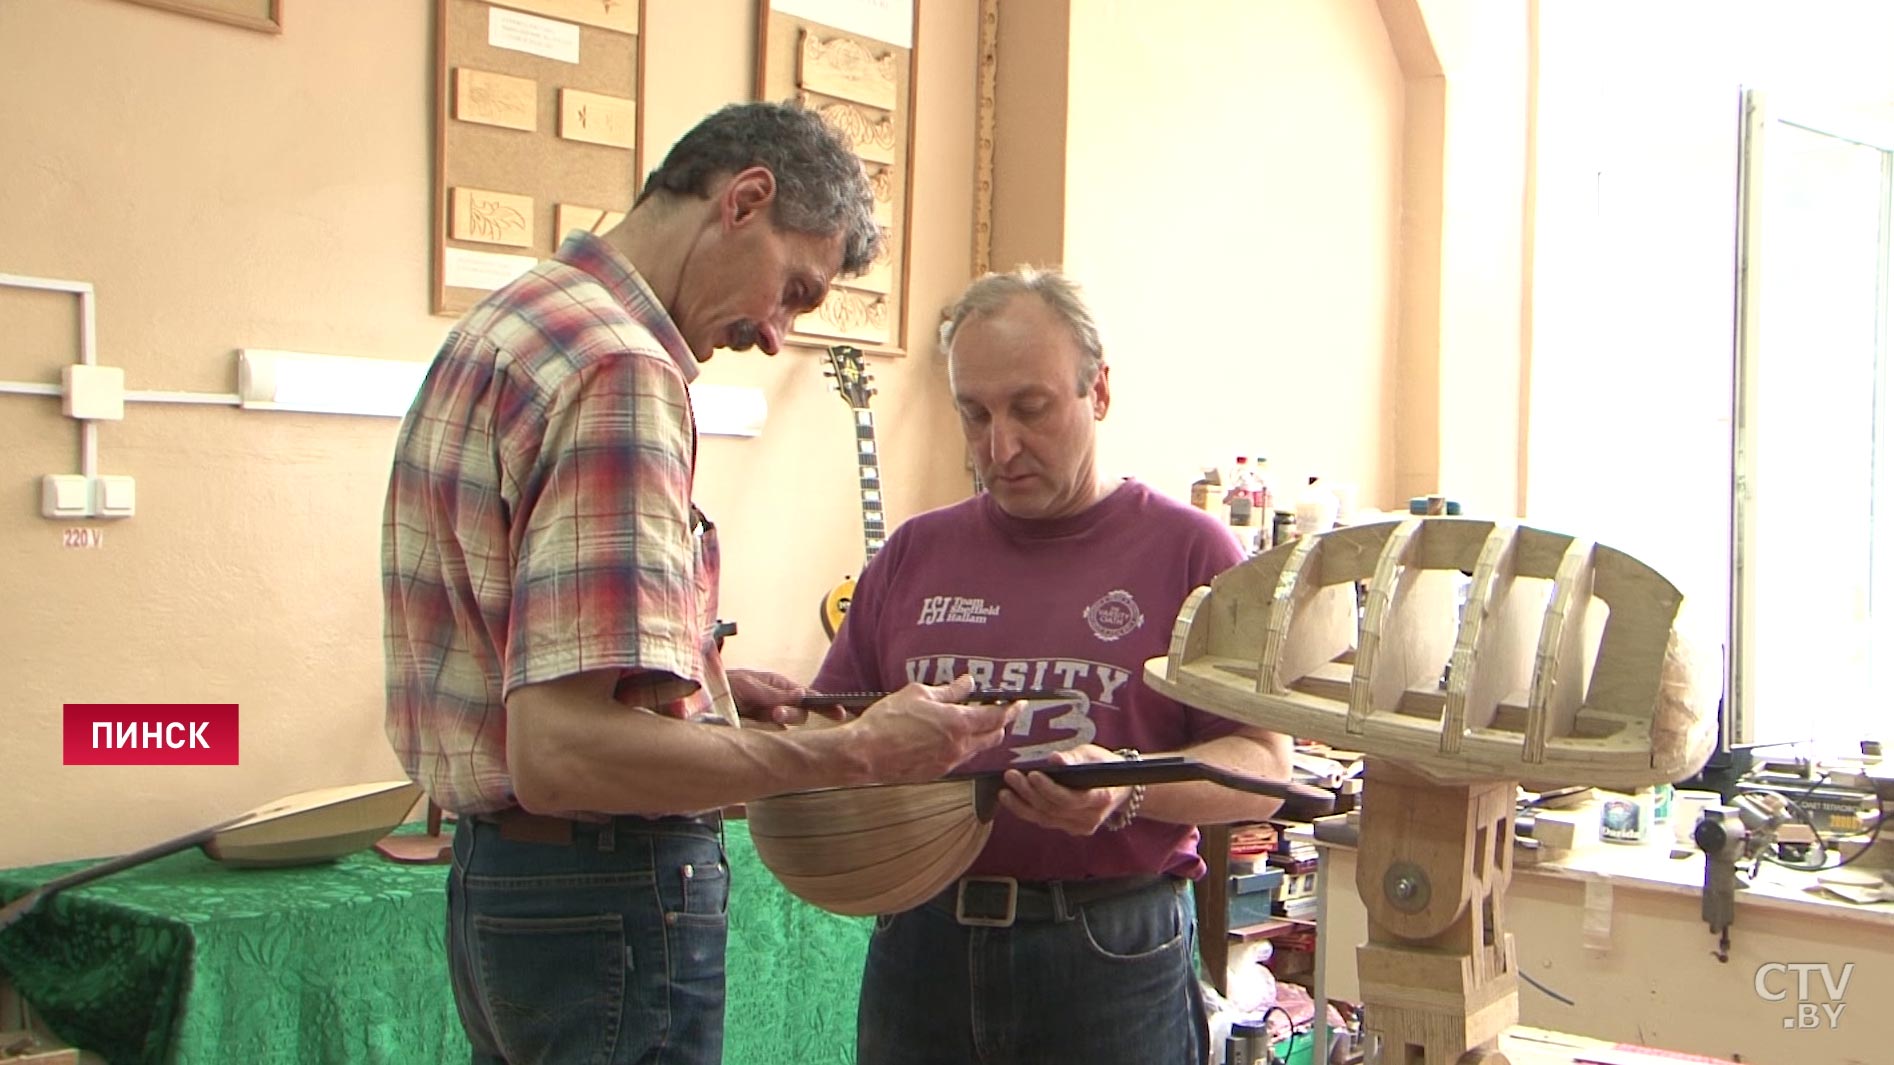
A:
1076,604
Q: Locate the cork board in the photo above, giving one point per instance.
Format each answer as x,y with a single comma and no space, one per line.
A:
865,88
537,127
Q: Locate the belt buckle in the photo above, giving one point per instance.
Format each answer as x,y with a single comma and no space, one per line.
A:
979,915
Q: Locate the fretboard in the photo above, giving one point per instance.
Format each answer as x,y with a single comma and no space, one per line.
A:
874,531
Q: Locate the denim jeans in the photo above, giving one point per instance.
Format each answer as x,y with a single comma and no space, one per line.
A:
605,951
1113,985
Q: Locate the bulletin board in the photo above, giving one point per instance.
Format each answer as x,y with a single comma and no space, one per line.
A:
864,86
537,128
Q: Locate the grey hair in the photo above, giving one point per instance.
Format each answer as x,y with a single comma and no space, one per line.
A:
990,294
821,188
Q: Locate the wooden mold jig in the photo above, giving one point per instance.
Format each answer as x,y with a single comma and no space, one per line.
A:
1462,657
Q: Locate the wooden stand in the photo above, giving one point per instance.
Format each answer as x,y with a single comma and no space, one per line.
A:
1438,978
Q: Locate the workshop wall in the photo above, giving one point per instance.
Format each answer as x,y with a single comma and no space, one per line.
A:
224,188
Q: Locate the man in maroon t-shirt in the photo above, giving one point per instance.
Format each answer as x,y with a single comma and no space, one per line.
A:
1071,938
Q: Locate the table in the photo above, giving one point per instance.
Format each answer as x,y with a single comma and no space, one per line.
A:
1654,980
183,961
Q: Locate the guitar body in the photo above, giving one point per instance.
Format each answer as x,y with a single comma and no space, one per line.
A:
852,381
835,605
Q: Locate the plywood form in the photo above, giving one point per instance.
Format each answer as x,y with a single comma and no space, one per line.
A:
1256,647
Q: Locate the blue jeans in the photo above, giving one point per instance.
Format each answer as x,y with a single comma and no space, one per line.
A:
1112,984
608,950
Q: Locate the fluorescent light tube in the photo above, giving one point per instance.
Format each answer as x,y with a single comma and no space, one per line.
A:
326,384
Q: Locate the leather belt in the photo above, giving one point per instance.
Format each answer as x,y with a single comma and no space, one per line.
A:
1002,901
520,826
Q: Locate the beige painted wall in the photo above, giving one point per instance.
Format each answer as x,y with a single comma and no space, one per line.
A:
1303,226
223,189
1029,148
1231,205
1482,48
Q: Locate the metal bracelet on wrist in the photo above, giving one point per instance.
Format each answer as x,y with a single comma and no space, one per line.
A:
1122,817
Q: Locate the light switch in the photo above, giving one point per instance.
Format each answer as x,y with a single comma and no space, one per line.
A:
94,393
64,495
113,497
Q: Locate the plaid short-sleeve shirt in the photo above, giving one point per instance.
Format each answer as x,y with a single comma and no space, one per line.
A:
539,524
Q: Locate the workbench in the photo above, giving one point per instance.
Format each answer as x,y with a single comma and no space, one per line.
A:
1617,930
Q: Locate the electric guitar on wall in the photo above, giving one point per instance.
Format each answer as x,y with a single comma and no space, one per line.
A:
852,382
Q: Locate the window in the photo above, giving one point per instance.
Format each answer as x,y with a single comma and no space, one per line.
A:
1813,628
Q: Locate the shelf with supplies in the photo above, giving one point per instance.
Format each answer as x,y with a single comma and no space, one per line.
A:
1261,881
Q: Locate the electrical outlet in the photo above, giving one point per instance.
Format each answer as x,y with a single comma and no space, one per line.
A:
65,495
114,496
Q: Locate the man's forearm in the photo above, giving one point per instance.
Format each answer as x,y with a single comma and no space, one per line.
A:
1252,752
595,755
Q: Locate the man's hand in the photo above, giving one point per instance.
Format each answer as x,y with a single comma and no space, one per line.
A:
921,732
762,696
1032,796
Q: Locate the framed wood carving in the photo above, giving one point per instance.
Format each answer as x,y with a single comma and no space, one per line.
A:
264,15
853,62
537,128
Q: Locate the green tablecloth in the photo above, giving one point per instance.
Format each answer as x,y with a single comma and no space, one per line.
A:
181,962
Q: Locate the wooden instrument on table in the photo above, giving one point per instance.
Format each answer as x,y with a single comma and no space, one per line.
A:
300,829
1560,662
852,382
888,848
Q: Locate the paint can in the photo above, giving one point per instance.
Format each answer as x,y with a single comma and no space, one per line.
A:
1248,1045
1625,818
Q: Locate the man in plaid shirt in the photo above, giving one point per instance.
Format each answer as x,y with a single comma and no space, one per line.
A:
550,599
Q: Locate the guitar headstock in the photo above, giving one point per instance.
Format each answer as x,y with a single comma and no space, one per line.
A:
849,375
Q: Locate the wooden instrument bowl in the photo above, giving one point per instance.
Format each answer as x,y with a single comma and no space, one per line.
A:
872,850
314,826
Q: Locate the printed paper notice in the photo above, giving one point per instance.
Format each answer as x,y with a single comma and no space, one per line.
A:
483,270
534,35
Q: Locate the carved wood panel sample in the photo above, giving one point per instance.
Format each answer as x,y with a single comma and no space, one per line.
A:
872,132
882,180
598,118
488,217
570,216
849,315
496,99
848,68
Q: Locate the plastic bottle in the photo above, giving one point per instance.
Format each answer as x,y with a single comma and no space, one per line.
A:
1260,489
1263,503
1315,508
1239,502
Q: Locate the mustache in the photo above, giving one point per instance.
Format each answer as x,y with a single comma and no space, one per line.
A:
744,335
